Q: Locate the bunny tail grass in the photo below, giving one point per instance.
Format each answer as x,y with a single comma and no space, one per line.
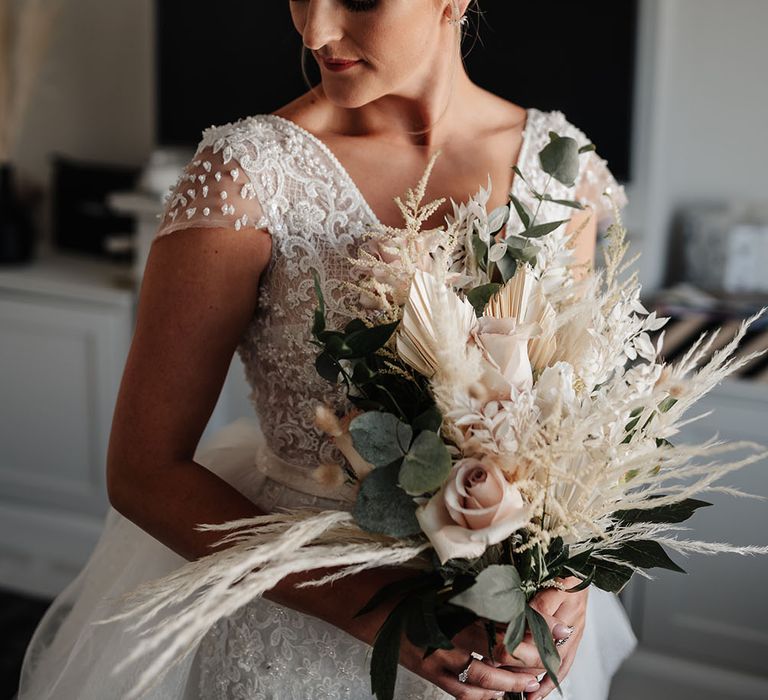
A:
262,551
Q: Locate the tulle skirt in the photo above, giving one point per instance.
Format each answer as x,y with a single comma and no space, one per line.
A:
264,651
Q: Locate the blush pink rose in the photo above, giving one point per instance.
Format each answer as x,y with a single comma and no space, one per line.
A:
474,508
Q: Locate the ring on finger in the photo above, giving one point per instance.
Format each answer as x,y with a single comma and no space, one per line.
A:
562,641
465,673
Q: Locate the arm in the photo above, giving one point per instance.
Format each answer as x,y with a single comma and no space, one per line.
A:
583,225
197,295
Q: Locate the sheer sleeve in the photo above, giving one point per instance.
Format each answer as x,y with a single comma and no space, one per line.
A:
214,189
594,182
594,177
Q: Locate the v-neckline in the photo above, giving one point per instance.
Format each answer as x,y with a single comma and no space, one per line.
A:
522,153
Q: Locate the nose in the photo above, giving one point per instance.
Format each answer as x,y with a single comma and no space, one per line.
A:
322,24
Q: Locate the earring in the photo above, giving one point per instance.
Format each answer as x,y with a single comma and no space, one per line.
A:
458,22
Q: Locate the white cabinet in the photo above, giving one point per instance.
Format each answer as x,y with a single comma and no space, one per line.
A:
65,330
705,634
66,324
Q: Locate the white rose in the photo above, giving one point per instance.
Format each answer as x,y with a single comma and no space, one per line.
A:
504,342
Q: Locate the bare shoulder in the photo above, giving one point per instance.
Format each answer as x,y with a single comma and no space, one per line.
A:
308,111
498,114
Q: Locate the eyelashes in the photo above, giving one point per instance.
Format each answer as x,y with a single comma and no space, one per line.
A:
357,5
360,5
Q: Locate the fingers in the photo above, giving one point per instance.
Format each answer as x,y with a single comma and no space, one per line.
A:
482,678
526,654
567,655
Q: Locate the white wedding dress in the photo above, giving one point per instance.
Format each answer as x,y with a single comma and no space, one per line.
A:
268,172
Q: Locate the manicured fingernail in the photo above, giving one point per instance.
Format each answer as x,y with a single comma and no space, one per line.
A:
533,685
561,631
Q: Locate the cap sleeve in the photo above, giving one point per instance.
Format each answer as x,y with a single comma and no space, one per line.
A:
595,181
215,189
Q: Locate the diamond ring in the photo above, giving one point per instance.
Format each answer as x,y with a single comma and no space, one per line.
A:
562,641
465,673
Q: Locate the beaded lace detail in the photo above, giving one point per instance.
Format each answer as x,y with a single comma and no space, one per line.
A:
267,172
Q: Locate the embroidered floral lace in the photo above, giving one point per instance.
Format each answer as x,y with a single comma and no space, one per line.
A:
268,172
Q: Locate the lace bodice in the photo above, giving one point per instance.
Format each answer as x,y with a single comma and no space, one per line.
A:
268,172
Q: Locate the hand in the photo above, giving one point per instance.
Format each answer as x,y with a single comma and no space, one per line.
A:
485,679
570,609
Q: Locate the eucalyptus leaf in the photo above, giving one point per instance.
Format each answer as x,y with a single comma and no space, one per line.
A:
560,158
497,218
480,250
507,265
496,595
386,653
515,633
431,419
383,507
545,645
479,296
565,202
540,230
519,173
380,438
522,211
426,466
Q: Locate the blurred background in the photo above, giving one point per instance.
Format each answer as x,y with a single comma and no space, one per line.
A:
102,103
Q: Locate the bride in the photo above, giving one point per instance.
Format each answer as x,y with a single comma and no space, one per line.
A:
266,202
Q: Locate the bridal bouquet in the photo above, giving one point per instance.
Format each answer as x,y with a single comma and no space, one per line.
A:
510,424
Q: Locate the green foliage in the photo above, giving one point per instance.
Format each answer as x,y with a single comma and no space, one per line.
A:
545,645
560,158
380,438
496,595
671,513
522,211
426,465
540,230
386,653
480,250
431,419
480,296
383,507
646,554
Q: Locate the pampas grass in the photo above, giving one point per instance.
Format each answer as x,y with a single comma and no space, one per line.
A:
25,30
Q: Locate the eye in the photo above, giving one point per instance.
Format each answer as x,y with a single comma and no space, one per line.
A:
360,5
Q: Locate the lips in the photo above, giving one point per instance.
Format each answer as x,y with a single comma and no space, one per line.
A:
337,61
339,64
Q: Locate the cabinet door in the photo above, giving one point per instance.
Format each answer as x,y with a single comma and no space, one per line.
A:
717,613
60,368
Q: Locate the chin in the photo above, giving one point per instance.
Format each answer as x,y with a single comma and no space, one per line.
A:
348,96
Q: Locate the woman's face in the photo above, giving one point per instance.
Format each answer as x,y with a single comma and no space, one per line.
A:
396,44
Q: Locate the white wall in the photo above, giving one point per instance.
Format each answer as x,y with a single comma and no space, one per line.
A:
702,113
96,95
